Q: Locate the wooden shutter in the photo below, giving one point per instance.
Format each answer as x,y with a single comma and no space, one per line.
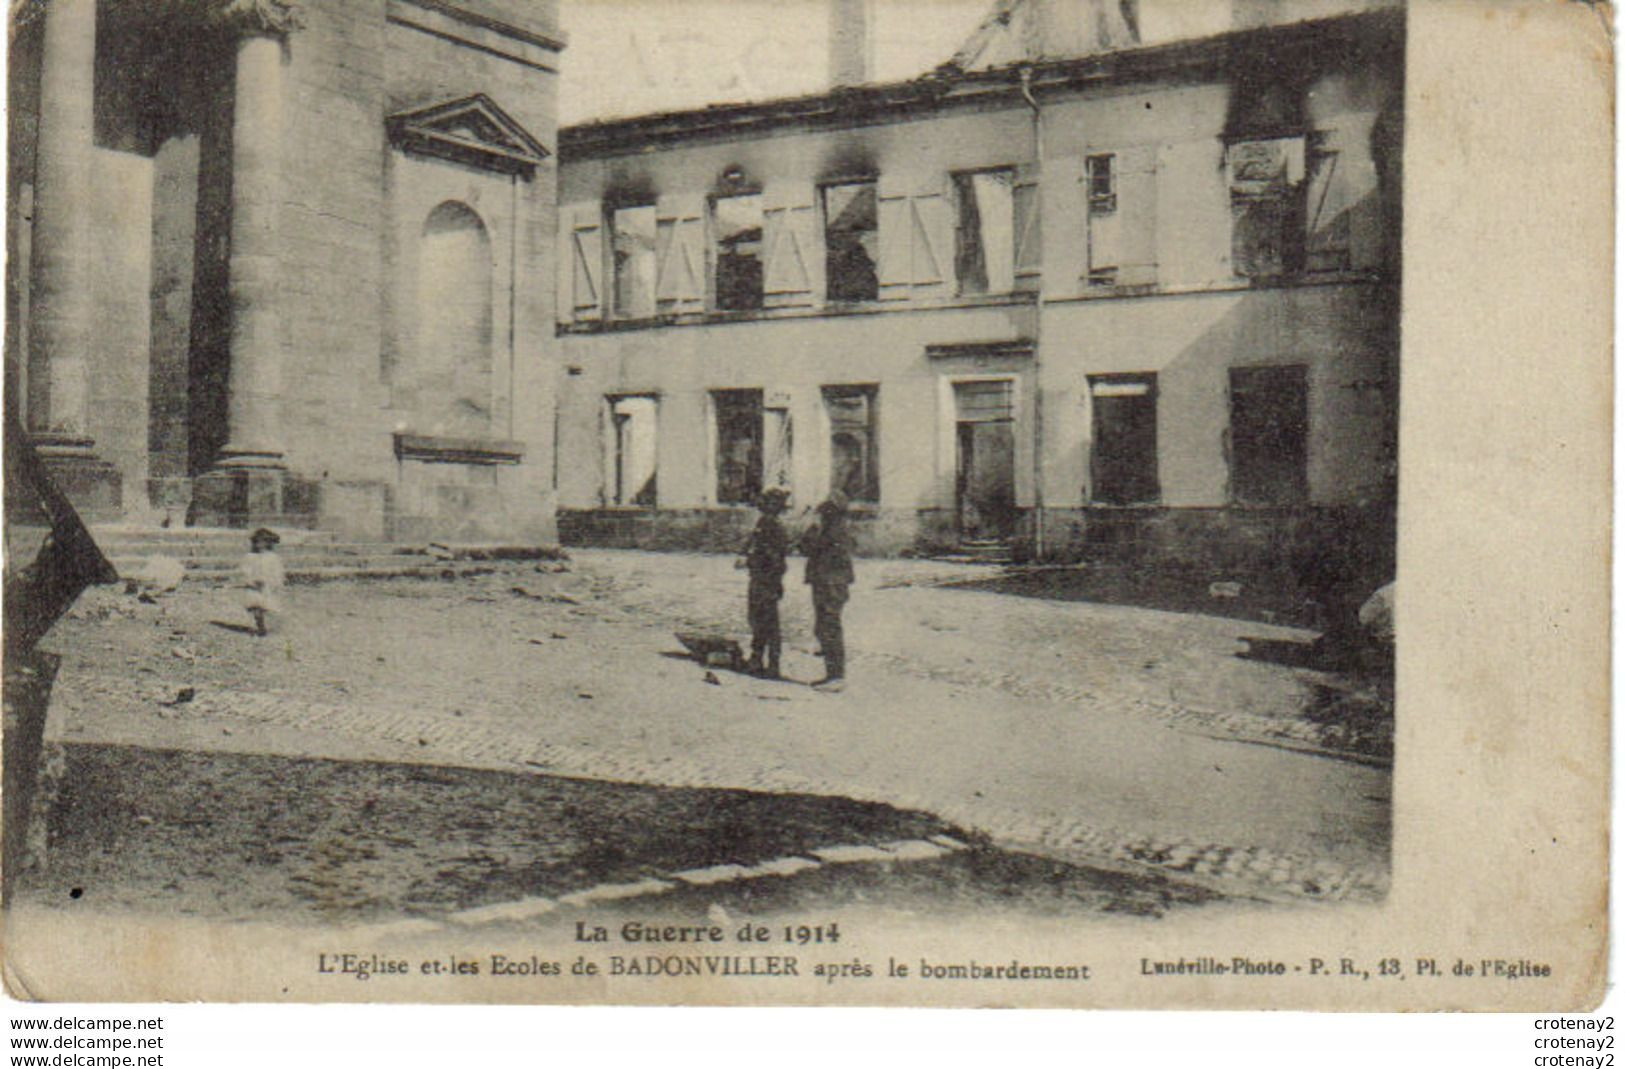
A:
1029,235
896,275
1137,215
916,236
680,254
931,251
791,273
581,262
563,271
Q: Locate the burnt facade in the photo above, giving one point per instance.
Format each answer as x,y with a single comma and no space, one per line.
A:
1140,300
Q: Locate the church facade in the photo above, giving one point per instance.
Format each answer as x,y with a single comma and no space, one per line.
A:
288,263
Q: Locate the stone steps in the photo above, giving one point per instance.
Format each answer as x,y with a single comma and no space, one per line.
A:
223,571
213,555
977,553
128,563
337,551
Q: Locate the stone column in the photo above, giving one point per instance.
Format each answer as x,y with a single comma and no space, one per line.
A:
61,304
246,485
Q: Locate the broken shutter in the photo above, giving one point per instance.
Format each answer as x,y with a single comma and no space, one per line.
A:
792,275
916,236
1267,194
1137,216
1341,228
581,274
1326,220
1029,237
680,253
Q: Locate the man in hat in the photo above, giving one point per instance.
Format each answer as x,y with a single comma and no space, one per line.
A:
764,556
828,547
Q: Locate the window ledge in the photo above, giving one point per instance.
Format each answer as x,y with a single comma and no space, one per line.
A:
1236,285
1279,506
434,449
831,310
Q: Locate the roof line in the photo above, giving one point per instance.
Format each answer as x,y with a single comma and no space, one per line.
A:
948,86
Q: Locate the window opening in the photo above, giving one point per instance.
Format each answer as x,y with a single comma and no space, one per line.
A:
854,462
852,241
635,445
1100,180
737,222
985,243
1267,206
633,232
739,445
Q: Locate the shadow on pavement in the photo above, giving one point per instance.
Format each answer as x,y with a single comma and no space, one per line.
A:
1268,600
253,836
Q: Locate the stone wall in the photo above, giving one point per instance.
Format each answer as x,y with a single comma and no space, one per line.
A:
163,214
431,59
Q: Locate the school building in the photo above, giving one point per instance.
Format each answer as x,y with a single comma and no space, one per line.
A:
1061,298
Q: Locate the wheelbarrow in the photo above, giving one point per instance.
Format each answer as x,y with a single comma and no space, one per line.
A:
713,650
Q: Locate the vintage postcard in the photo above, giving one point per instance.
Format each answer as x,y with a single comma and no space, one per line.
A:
1076,503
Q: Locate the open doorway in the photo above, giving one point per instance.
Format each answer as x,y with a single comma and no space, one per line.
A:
1269,435
985,475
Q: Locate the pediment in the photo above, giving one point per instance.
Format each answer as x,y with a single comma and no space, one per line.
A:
470,130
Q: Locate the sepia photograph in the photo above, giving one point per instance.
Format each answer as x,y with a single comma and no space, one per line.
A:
849,501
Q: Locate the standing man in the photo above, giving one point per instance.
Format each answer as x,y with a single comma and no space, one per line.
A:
764,555
828,547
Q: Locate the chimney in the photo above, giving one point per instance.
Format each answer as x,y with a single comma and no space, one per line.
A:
851,46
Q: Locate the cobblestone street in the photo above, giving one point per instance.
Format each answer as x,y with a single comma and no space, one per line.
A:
1085,732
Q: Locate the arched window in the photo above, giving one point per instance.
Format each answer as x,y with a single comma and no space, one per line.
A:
455,296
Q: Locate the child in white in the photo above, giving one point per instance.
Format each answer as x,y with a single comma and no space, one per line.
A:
262,578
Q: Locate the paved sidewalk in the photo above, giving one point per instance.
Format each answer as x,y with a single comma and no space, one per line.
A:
1039,724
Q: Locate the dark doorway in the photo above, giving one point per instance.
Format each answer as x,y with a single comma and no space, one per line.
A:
1123,461
985,495
739,445
1269,435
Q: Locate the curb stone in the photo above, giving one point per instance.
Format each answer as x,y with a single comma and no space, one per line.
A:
525,909
1306,878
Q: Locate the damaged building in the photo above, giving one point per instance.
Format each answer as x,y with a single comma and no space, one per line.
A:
1105,280
1077,290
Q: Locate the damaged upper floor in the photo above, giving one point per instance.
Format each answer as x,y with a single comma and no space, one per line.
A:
1265,157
